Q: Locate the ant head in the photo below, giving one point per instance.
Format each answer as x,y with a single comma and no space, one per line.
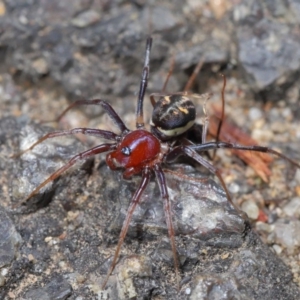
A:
172,116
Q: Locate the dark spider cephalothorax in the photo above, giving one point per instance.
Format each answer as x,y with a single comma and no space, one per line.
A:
142,152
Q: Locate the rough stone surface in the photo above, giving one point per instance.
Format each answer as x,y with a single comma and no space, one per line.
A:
67,245
58,288
268,44
37,165
49,49
10,239
78,44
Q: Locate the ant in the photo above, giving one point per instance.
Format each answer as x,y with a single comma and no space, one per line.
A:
173,134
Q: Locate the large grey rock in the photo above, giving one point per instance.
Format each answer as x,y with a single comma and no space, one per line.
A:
74,238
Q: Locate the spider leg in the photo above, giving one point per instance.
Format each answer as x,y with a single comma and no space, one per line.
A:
106,106
87,131
143,86
189,151
216,145
134,202
167,208
222,114
83,155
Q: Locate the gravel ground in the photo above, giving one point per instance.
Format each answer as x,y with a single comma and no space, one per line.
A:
33,88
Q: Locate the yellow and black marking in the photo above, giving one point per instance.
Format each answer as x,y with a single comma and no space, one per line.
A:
173,115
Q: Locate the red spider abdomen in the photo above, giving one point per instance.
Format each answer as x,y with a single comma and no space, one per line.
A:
135,150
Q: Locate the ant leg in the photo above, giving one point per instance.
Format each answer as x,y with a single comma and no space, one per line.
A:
167,208
222,115
205,121
153,95
184,177
214,145
83,155
163,93
87,131
134,202
187,86
106,106
143,86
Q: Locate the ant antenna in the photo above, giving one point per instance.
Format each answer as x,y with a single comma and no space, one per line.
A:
171,69
193,76
143,86
222,113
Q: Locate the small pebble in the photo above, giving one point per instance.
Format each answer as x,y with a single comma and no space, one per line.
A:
233,188
2,280
287,233
274,113
219,7
278,127
277,249
271,238
262,135
2,8
264,227
251,209
40,65
30,257
86,18
292,208
287,113
4,271
255,113
48,239
297,175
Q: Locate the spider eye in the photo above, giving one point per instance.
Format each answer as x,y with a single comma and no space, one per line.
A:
126,151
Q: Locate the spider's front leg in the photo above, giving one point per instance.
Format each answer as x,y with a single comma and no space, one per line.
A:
134,202
108,135
86,131
81,156
168,215
105,105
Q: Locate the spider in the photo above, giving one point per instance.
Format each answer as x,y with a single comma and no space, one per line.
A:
173,134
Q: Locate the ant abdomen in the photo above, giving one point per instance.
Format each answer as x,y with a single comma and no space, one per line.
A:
172,116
